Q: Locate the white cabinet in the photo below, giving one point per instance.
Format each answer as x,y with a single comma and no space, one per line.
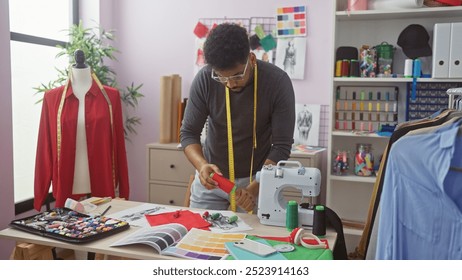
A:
349,195
168,172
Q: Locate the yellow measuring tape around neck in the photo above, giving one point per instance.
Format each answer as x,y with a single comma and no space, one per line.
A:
232,194
59,120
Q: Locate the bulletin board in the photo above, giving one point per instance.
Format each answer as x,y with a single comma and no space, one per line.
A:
209,22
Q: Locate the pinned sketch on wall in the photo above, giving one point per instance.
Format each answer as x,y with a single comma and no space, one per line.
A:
290,56
291,21
307,123
199,59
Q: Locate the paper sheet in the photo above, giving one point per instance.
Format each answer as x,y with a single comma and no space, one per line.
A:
135,216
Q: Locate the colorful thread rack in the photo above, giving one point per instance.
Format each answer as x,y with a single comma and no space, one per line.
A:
365,109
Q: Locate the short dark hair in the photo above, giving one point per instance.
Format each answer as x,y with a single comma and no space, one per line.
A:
226,46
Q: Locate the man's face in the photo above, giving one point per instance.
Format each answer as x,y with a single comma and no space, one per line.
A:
237,77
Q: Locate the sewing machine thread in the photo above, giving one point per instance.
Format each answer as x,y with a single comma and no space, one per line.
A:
291,215
319,221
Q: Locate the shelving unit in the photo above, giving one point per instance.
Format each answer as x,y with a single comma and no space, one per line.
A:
349,195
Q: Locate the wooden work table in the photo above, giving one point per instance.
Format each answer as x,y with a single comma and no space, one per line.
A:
102,246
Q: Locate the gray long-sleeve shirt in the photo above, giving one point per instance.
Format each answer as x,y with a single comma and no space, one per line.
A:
275,119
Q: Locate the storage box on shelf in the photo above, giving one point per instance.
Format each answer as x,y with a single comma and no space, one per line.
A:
348,194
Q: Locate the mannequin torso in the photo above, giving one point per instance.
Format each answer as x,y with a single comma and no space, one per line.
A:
81,82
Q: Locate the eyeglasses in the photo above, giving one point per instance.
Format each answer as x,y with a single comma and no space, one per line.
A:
238,77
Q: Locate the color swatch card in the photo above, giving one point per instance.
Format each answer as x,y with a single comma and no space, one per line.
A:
291,21
206,242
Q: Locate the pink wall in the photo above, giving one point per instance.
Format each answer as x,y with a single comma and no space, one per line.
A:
156,38
6,135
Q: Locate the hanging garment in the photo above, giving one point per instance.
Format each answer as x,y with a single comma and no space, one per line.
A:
105,141
401,130
420,206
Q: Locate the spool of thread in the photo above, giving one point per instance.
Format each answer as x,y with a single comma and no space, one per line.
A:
226,185
338,68
232,219
416,69
291,215
319,220
408,68
345,68
354,68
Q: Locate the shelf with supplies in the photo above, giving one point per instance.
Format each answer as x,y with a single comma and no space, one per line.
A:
388,80
424,12
349,194
353,178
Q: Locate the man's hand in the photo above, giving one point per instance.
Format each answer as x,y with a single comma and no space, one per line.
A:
204,175
244,199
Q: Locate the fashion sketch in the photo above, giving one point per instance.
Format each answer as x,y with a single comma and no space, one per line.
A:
290,56
307,124
304,122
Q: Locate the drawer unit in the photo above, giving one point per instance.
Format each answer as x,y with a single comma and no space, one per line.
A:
168,173
169,165
167,194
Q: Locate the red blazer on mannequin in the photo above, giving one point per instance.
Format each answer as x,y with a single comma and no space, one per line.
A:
107,158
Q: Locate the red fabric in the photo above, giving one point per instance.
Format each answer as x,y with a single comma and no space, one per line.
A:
100,145
185,217
450,2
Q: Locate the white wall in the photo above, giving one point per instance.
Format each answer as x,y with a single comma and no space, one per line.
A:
156,38
6,135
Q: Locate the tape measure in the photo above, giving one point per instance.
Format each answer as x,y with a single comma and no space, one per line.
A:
232,194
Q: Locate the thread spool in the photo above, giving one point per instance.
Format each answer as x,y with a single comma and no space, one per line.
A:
338,68
319,220
223,183
408,68
357,5
345,68
416,69
291,215
354,68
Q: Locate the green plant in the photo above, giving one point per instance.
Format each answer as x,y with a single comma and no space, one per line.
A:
95,43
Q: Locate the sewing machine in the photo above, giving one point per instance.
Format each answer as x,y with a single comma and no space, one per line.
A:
274,179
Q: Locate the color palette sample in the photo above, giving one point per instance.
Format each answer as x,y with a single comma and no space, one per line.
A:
291,21
207,243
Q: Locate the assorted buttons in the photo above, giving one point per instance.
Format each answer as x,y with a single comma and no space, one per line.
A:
68,224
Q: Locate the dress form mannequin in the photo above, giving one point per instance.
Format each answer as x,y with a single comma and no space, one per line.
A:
81,82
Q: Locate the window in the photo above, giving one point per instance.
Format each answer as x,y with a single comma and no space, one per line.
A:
37,27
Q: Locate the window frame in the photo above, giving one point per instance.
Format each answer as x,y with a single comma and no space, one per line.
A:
27,205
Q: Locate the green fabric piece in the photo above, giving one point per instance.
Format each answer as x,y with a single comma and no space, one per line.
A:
300,252
268,43
259,31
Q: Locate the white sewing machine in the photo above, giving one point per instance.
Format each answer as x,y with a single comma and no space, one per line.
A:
274,179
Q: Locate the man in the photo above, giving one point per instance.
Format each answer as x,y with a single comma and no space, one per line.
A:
261,106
